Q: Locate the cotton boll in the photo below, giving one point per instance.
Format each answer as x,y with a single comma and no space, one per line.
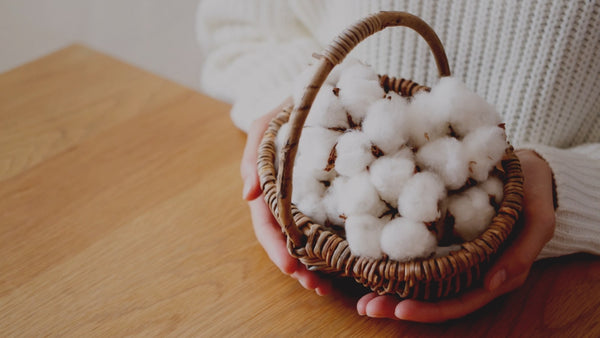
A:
494,187
485,147
389,174
357,196
353,153
428,119
404,239
356,70
358,94
466,110
420,197
306,185
446,157
472,212
314,150
363,233
313,207
331,203
386,123
334,76
327,110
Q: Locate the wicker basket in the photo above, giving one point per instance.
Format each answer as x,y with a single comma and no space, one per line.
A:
322,249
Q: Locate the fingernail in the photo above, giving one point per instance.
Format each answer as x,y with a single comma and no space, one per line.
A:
497,280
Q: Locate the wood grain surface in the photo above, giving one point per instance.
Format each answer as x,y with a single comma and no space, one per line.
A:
121,214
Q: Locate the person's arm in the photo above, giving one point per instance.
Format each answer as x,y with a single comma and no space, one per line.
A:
577,177
253,50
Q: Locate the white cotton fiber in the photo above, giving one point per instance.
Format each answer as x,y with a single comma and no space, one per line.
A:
313,207
353,153
306,185
466,110
386,123
363,233
330,200
472,212
357,196
389,174
446,157
420,197
334,76
314,149
485,147
356,70
358,94
428,119
327,110
494,186
404,239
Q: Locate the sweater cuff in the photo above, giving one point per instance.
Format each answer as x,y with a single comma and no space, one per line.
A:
577,178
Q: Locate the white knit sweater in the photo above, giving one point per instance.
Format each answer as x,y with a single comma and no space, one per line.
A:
536,61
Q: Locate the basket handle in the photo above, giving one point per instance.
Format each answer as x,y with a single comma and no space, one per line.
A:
333,55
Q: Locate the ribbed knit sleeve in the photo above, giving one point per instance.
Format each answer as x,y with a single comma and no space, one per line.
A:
577,176
253,51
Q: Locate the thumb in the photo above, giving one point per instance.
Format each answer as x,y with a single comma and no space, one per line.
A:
248,168
538,225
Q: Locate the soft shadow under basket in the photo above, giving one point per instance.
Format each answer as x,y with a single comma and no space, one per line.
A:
322,249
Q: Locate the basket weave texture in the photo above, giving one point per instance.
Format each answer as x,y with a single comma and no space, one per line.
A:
322,248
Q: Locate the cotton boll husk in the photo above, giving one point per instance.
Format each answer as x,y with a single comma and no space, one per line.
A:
357,95
428,119
353,153
404,239
363,233
357,196
472,212
314,149
446,157
485,147
386,123
420,197
466,110
493,186
389,174
327,110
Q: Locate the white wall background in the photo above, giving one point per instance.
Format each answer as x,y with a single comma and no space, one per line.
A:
156,35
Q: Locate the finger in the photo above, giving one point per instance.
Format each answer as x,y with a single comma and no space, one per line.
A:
452,308
361,305
538,220
269,235
382,307
312,281
248,165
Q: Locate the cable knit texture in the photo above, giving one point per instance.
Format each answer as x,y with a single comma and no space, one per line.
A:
536,61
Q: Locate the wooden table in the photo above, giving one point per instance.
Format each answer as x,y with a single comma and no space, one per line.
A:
121,214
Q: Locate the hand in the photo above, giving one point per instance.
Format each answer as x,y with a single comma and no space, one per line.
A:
507,274
267,230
